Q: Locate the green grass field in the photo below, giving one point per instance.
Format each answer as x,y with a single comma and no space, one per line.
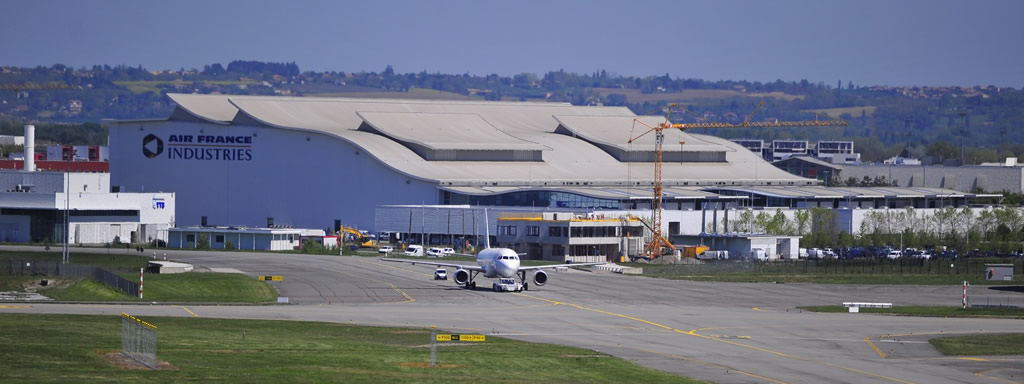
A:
143,86
853,111
975,345
183,287
928,311
71,348
858,271
689,95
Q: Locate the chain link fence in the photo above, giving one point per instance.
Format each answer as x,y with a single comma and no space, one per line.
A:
24,267
138,340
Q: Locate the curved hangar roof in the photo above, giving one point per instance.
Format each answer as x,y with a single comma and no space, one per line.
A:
513,144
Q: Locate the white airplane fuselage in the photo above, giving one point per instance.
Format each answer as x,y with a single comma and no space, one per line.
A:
498,262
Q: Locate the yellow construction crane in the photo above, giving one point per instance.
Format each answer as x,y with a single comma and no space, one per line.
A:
654,248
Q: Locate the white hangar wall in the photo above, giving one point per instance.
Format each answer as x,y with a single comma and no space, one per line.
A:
301,178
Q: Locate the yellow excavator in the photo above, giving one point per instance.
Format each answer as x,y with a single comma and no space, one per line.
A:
361,238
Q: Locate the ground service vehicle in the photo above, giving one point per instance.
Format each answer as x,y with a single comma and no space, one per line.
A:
414,250
507,285
440,274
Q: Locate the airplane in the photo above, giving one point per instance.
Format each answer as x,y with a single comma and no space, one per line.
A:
495,263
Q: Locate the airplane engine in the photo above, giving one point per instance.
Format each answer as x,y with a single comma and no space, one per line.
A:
540,278
461,276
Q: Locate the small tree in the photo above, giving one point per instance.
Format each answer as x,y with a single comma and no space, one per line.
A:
203,242
229,245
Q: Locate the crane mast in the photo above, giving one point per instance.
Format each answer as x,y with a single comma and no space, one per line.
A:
658,241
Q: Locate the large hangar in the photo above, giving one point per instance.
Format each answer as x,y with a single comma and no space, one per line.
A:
314,162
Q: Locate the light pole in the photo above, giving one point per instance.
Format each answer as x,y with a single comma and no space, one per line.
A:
67,206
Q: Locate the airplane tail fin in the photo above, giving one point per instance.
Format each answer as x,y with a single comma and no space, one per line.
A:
487,230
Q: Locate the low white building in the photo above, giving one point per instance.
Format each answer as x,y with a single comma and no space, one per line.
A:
34,207
257,239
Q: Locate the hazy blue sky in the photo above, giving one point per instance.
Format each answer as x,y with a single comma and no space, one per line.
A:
891,42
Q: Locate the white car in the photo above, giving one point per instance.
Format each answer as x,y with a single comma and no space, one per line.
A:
434,252
447,251
385,250
440,274
924,255
894,254
507,285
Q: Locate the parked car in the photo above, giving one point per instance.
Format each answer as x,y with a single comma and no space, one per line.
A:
440,274
447,251
435,252
894,254
385,250
924,255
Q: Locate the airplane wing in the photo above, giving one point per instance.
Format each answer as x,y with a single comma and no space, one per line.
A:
451,265
521,268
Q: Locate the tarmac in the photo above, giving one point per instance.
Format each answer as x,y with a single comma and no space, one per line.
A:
719,332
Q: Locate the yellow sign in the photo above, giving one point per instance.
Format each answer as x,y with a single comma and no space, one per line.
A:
461,338
271,278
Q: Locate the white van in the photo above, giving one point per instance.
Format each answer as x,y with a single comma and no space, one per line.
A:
414,250
435,252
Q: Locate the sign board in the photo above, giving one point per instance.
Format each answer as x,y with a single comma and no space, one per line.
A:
271,278
457,337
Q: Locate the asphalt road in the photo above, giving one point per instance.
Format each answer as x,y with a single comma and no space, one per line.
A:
720,332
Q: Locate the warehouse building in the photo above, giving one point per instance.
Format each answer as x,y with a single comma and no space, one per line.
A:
310,161
33,207
384,165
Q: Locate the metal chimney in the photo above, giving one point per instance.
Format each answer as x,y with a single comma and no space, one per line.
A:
30,148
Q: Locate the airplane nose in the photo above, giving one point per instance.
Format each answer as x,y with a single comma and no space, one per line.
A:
505,270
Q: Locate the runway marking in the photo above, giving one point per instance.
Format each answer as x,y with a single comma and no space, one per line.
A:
973,359
981,374
407,298
710,364
695,334
190,311
872,345
8,306
758,309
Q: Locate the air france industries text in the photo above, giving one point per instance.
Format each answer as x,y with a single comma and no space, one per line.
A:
227,154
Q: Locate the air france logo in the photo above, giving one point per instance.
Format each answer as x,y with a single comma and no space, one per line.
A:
199,147
152,146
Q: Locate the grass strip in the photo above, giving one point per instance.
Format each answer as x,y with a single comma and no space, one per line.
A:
975,345
928,311
70,348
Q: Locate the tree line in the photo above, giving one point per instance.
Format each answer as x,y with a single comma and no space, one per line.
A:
902,121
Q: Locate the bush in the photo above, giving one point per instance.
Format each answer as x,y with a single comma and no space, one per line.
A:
203,242
310,246
229,245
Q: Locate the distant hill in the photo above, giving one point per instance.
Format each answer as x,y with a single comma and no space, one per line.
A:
883,121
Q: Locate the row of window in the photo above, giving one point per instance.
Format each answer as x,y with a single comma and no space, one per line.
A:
220,238
557,231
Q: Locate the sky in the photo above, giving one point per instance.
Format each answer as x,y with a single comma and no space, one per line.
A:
867,42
